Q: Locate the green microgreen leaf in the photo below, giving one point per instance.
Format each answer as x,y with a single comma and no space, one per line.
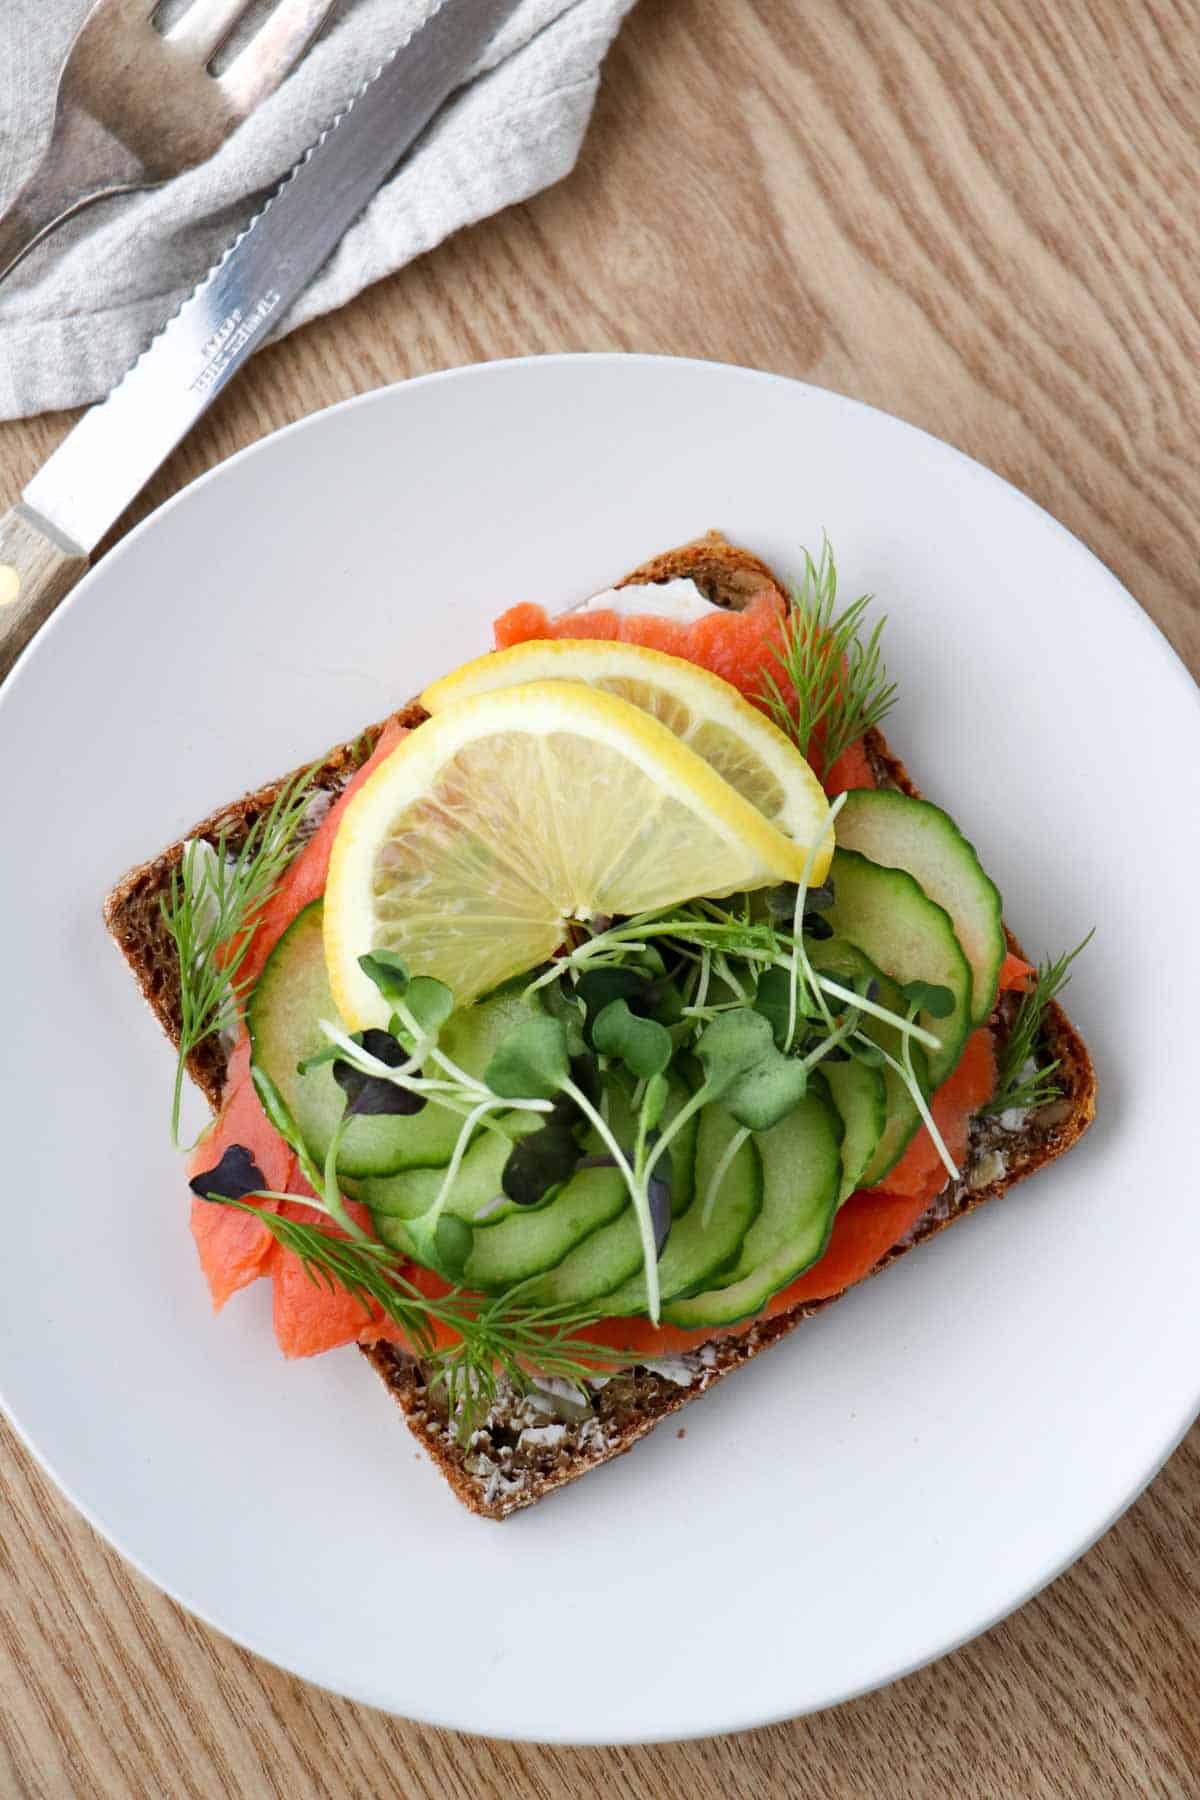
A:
562,1003
767,1093
772,998
731,1046
532,1062
599,987
926,996
643,1045
654,1102
428,1004
388,971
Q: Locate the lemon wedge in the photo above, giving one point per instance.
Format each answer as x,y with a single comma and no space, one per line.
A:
704,712
505,816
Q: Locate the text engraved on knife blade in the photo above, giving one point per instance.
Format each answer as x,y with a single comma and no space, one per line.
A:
231,337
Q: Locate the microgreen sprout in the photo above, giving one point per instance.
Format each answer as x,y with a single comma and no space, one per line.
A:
800,969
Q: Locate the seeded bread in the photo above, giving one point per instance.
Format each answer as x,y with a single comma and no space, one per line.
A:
531,1444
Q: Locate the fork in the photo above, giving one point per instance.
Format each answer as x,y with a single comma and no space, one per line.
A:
136,105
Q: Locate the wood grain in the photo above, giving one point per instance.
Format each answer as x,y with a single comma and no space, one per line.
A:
979,214
34,576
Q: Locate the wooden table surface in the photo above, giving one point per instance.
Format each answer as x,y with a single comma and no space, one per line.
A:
981,215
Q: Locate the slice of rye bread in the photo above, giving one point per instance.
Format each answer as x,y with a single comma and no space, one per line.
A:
531,1444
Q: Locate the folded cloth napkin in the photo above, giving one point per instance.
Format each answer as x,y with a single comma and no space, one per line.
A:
83,305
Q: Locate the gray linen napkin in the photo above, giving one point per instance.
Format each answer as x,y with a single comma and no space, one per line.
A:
83,305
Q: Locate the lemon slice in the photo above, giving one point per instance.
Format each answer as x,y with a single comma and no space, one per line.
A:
505,816
706,713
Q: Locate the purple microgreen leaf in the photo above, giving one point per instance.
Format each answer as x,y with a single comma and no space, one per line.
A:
659,1195
540,1161
373,1096
233,1178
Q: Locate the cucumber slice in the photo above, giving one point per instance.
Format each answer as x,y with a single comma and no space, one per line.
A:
802,1176
614,1253
515,1243
888,915
283,1017
846,962
412,1192
859,1093
527,1241
532,1240
695,1251
477,1184
900,833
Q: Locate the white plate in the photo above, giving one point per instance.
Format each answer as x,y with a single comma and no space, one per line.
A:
908,1467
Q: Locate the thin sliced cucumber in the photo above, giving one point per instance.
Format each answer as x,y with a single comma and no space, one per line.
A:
802,1176
527,1240
860,1094
533,1240
477,1185
847,963
910,937
514,1243
902,833
694,1250
614,1253
284,1016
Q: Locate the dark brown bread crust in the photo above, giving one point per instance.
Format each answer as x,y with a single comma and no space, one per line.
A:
725,573
527,1449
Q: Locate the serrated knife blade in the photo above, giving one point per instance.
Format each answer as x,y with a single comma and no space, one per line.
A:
105,461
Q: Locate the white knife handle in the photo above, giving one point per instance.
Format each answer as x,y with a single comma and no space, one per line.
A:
35,574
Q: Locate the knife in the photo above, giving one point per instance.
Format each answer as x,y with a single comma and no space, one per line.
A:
106,460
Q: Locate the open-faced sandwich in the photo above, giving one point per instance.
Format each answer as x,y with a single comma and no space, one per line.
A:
581,1029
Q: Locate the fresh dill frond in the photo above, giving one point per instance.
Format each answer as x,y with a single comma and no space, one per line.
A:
213,901
1038,1088
838,677
501,1336
506,1338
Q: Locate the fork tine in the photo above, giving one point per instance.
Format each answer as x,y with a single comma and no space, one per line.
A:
205,25
273,51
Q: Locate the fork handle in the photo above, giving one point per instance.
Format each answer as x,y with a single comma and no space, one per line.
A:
36,573
82,163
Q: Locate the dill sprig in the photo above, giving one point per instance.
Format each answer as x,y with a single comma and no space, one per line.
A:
213,901
839,679
1028,1092
497,1337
